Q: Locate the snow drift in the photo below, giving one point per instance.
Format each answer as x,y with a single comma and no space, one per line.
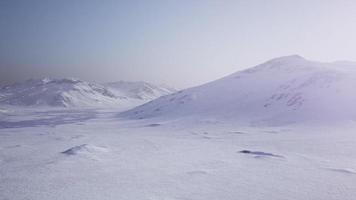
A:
283,90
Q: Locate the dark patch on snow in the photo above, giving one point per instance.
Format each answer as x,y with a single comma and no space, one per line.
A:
341,170
84,149
74,150
266,105
77,136
153,125
138,112
260,153
13,146
271,131
237,132
55,118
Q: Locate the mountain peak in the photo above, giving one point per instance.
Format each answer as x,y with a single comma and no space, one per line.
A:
290,58
284,63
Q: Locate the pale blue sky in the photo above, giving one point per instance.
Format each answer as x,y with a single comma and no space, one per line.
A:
181,43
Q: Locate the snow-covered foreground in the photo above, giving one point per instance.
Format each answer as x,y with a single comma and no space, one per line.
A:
94,154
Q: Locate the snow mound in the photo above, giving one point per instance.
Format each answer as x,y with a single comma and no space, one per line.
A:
84,149
280,91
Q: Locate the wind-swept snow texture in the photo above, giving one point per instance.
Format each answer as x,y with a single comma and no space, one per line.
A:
283,90
51,155
78,93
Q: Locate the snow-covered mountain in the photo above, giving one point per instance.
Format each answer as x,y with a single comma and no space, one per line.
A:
139,90
283,90
56,92
74,92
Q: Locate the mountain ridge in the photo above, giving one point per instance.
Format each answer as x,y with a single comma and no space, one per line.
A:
72,92
282,90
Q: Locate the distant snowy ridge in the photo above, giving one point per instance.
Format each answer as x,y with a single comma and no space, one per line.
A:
73,93
283,90
139,90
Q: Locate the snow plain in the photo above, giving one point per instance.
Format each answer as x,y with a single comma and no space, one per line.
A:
93,154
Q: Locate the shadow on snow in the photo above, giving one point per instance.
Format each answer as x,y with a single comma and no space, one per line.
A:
51,118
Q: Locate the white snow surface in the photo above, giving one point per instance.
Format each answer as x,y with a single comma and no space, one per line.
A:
284,90
77,93
90,154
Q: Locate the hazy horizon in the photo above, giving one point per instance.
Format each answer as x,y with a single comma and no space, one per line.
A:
178,43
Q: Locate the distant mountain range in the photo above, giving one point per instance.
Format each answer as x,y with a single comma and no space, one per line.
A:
74,93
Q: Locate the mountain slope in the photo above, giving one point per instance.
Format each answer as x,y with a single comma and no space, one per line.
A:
139,90
283,90
72,93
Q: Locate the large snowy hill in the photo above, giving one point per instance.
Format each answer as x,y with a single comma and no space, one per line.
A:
283,90
74,92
